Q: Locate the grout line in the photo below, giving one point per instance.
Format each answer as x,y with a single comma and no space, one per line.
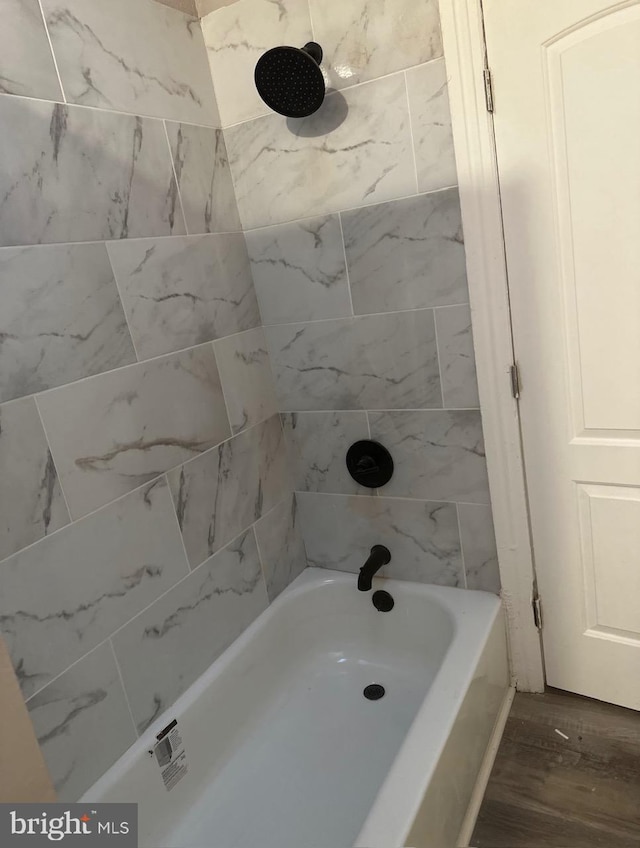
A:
111,111
124,688
53,56
363,315
329,212
222,390
346,265
376,411
449,306
464,565
274,381
175,236
174,510
234,183
291,453
366,412
55,465
313,29
64,671
283,500
175,177
435,330
262,571
260,558
124,311
300,529
391,498
411,136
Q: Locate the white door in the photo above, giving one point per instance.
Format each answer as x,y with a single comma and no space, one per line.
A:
566,79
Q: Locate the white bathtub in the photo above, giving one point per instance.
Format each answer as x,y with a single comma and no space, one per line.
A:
284,751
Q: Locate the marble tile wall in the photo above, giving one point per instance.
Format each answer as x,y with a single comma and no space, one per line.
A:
208,609
354,232
153,423
356,149
236,35
146,505
134,57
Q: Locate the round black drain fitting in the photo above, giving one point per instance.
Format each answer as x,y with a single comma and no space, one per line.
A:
382,601
373,692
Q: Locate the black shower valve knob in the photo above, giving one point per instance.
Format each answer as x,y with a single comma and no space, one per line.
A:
369,463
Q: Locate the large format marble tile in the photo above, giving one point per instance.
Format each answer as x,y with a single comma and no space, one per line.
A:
132,57
220,494
299,271
366,39
439,455
202,169
370,362
281,547
61,317
31,501
406,254
355,149
65,595
247,382
73,174
116,431
164,650
317,443
236,37
83,723
26,63
423,538
479,547
183,291
431,126
457,359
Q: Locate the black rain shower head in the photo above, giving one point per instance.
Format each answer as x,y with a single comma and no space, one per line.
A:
290,81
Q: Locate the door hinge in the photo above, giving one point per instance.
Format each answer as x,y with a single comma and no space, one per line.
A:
514,373
488,89
537,612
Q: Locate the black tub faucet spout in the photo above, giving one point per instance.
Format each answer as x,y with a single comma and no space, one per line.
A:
378,557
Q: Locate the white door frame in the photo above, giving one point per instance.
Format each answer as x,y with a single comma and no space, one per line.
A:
463,36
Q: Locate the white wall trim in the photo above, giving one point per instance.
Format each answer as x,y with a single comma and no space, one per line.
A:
463,36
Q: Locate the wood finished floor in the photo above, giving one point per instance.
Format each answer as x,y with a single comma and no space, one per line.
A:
581,792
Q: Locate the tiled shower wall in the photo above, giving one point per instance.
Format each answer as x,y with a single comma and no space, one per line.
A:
146,504
354,231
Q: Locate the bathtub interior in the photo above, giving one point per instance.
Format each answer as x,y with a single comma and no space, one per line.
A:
278,732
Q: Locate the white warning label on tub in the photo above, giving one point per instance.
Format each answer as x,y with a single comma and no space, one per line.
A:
171,755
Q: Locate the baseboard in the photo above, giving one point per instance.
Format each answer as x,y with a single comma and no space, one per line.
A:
469,823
